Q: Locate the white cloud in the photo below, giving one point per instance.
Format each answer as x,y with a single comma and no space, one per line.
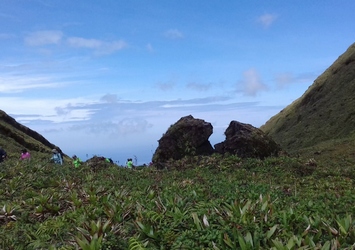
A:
252,84
174,34
166,86
149,47
44,37
124,126
100,47
109,98
53,110
4,36
133,125
8,17
267,19
284,79
84,43
199,86
76,115
20,84
111,47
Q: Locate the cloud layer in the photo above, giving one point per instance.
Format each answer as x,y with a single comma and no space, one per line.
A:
56,37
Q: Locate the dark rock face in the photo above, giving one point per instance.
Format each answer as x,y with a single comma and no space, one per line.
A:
246,141
188,136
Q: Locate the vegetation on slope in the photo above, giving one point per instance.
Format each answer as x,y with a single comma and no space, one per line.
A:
198,203
14,137
326,111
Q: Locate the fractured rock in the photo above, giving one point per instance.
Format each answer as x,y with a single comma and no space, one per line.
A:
187,137
246,141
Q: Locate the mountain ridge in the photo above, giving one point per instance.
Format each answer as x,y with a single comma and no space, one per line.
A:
326,111
15,136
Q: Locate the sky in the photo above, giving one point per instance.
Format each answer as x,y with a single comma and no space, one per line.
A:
108,78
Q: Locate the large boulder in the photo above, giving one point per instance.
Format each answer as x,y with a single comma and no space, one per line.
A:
187,137
99,162
246,141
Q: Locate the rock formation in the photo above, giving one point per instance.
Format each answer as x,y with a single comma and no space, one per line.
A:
187,137
246,141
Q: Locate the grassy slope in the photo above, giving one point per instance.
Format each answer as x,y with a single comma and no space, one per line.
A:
214,203
15,136
326,111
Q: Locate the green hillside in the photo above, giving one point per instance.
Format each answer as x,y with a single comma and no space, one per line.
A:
14,137
324,115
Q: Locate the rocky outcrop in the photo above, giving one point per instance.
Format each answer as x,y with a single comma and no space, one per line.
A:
99,162
187,137
246,141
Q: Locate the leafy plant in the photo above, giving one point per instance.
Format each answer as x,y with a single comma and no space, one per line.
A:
200,203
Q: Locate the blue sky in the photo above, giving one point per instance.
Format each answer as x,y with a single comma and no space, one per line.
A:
109,77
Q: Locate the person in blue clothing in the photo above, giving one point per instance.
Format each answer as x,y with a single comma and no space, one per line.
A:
56,157
3,154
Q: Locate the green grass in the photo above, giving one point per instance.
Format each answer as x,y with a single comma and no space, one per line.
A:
326,111
14,137
198,203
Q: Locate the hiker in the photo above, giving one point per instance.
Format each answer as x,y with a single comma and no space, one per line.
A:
25,155
129,163
56,157
76,161
109,160
3,154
